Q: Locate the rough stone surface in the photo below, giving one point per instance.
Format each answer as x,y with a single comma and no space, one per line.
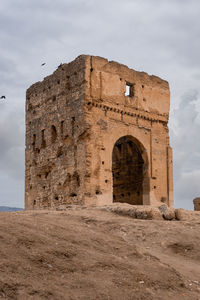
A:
135,211
196,202
187,215
96,133
168,213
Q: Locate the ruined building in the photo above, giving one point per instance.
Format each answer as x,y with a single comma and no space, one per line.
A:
96,133
196,202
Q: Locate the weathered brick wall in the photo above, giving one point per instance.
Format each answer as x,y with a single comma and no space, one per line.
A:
196,202
55,128
73,120
143,116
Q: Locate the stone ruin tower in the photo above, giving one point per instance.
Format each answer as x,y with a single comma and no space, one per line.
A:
96,133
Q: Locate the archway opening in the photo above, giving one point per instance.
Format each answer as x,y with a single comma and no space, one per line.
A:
127,170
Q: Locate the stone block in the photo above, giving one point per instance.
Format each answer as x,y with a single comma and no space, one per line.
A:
196,202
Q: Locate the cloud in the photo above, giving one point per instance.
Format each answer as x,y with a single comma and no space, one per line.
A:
12,144
186,145
11,155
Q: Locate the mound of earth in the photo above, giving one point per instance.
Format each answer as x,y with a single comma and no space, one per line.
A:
95,253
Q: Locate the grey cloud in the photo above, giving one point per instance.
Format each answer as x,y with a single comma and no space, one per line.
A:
12,144
11,191
186,144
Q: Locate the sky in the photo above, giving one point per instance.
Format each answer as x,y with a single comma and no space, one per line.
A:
160,37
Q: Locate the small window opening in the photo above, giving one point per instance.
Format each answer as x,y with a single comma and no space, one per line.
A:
127,93
76,178
98,192
53,134
43,144
73,122
60,151
61,127
129,90
73,195
163,200
34,140
30,107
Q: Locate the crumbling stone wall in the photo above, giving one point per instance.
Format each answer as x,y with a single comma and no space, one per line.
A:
196,202
76,120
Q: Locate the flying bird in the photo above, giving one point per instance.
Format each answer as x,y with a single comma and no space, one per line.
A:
43,64
3,97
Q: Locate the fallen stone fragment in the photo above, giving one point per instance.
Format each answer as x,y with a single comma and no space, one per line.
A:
135,211
168,213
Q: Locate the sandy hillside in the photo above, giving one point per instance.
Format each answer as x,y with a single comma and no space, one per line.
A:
95,254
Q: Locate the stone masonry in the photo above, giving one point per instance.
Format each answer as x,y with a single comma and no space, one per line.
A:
196,202
96,133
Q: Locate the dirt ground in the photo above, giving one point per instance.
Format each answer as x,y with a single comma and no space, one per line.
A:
95,254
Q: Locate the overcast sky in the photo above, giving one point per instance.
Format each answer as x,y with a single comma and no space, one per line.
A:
161,37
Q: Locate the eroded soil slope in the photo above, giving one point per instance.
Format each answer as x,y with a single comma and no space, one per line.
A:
95,254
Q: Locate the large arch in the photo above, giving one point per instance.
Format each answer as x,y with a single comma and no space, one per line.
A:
130,171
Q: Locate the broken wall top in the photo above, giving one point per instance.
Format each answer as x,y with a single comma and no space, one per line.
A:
109,81
106,81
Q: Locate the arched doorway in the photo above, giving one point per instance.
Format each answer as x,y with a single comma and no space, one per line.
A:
128,171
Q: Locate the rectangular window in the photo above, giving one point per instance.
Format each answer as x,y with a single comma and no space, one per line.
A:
129,89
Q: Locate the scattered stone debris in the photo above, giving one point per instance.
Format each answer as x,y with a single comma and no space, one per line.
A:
144,212
168,213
